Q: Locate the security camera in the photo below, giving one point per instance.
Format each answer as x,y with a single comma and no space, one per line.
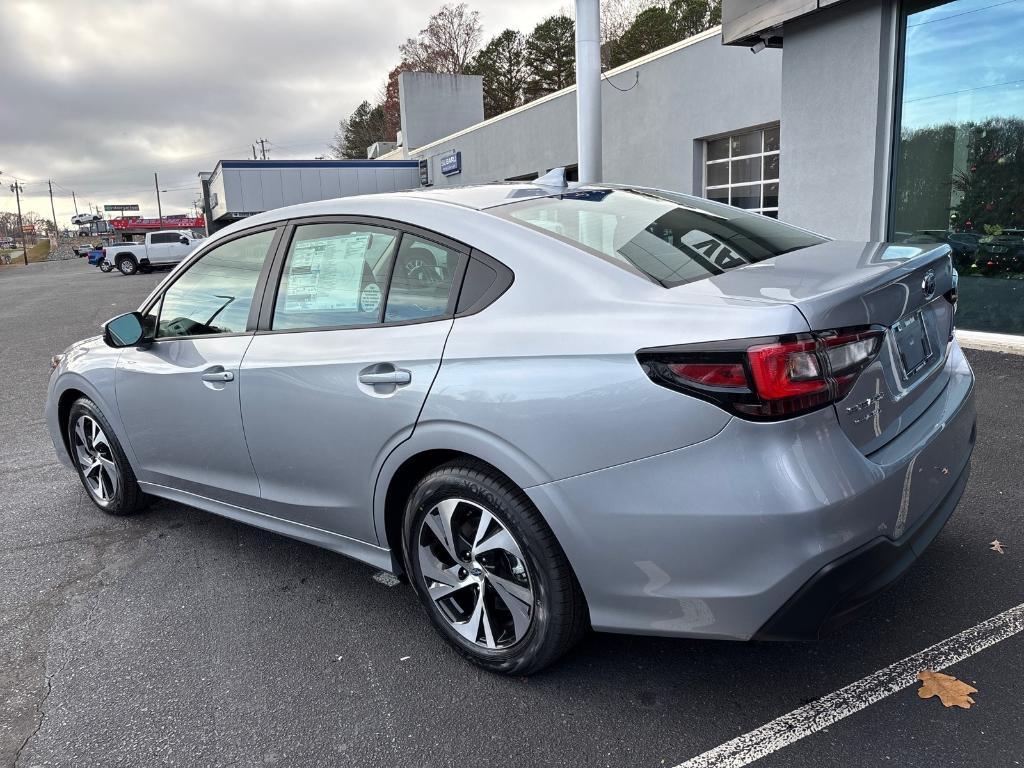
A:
758,47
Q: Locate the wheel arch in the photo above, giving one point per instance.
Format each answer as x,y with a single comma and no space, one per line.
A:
64,402
414,458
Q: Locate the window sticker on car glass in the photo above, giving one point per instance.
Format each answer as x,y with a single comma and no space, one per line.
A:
326,273
369,300
720,254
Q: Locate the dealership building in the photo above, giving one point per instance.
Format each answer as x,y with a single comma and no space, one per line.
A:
860,119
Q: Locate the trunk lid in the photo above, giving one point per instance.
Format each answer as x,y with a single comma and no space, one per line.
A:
896,287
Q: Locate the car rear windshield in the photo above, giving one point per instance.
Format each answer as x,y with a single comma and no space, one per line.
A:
671,239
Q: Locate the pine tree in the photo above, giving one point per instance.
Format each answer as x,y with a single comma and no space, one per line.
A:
551,56
502,63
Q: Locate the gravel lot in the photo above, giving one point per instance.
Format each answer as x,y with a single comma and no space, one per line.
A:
180,638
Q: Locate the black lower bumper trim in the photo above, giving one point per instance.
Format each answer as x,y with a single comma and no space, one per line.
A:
836,593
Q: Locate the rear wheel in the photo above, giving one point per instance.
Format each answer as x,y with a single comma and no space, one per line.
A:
127,265
105,266
102,467
489,572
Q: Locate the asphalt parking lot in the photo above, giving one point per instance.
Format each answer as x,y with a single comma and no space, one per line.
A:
180,638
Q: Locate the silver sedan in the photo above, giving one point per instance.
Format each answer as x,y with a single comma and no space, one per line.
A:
548,409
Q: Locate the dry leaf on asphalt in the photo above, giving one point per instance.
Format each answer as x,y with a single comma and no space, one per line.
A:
997,546
952,692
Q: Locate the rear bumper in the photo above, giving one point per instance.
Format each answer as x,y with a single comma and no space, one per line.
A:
844,587
713,540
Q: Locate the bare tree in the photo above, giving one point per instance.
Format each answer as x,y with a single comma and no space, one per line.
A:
448,42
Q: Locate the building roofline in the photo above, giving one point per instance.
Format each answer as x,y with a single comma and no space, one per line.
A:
394,163
654,55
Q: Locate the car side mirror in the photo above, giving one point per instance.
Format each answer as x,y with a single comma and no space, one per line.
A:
124,331
183,240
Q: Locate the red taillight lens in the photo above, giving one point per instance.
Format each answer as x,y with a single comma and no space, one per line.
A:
786,370
711,374
768,378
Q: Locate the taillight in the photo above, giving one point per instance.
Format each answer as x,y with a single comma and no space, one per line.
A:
767,379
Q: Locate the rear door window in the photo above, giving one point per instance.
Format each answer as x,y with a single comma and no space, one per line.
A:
335,275
670,239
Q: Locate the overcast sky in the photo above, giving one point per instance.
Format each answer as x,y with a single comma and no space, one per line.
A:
98,96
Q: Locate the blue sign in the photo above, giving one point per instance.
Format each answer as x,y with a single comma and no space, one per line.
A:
451,163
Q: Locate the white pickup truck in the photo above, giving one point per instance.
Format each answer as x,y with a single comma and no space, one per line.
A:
161,249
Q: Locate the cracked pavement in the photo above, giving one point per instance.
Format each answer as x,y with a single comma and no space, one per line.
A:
177,638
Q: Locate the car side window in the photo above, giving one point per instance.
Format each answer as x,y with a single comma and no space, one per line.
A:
164,237
422,280
215,293
334,275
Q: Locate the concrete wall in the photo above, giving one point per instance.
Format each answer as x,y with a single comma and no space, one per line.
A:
837,115
433,106
253,186
651,128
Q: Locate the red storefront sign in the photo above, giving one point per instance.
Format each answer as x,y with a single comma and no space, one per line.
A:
183,222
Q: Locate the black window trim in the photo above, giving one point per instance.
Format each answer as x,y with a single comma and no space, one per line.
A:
265,322
258,294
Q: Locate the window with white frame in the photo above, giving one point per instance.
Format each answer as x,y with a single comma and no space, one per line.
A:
743,170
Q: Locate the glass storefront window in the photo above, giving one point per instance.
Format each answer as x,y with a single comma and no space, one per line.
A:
960,159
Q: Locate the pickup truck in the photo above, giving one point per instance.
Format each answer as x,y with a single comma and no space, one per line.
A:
161,249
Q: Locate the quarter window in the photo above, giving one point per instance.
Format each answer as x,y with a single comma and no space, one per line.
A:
335,275
215,294
743,170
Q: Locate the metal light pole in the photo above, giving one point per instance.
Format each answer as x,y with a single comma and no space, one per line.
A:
17,189
159,210
75,201
588,89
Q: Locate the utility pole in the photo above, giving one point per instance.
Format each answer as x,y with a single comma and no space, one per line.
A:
263,147
17,189
75,201
49,183
159,210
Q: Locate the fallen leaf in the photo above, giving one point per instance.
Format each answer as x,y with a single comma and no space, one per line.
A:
997,546
952,692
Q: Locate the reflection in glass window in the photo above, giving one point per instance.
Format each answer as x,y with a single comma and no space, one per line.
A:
733,163
335,275
214,295
422,280
960,164
673,239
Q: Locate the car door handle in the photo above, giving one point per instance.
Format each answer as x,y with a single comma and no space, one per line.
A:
386,377
219,376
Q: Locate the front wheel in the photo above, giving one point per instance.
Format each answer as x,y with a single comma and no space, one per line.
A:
105,266
102,467
489,572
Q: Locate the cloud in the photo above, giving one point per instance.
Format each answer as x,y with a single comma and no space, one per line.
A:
98,96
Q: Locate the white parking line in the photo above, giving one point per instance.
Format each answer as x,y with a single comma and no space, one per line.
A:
832,708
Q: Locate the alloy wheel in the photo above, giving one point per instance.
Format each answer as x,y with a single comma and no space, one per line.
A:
96,460
475,574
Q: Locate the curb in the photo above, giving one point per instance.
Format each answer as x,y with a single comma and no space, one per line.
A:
991,342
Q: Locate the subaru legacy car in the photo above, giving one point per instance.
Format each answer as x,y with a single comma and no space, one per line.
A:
548,408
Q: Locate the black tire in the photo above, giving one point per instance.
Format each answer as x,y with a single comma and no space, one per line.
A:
127,265
128,498
106,266
559,617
